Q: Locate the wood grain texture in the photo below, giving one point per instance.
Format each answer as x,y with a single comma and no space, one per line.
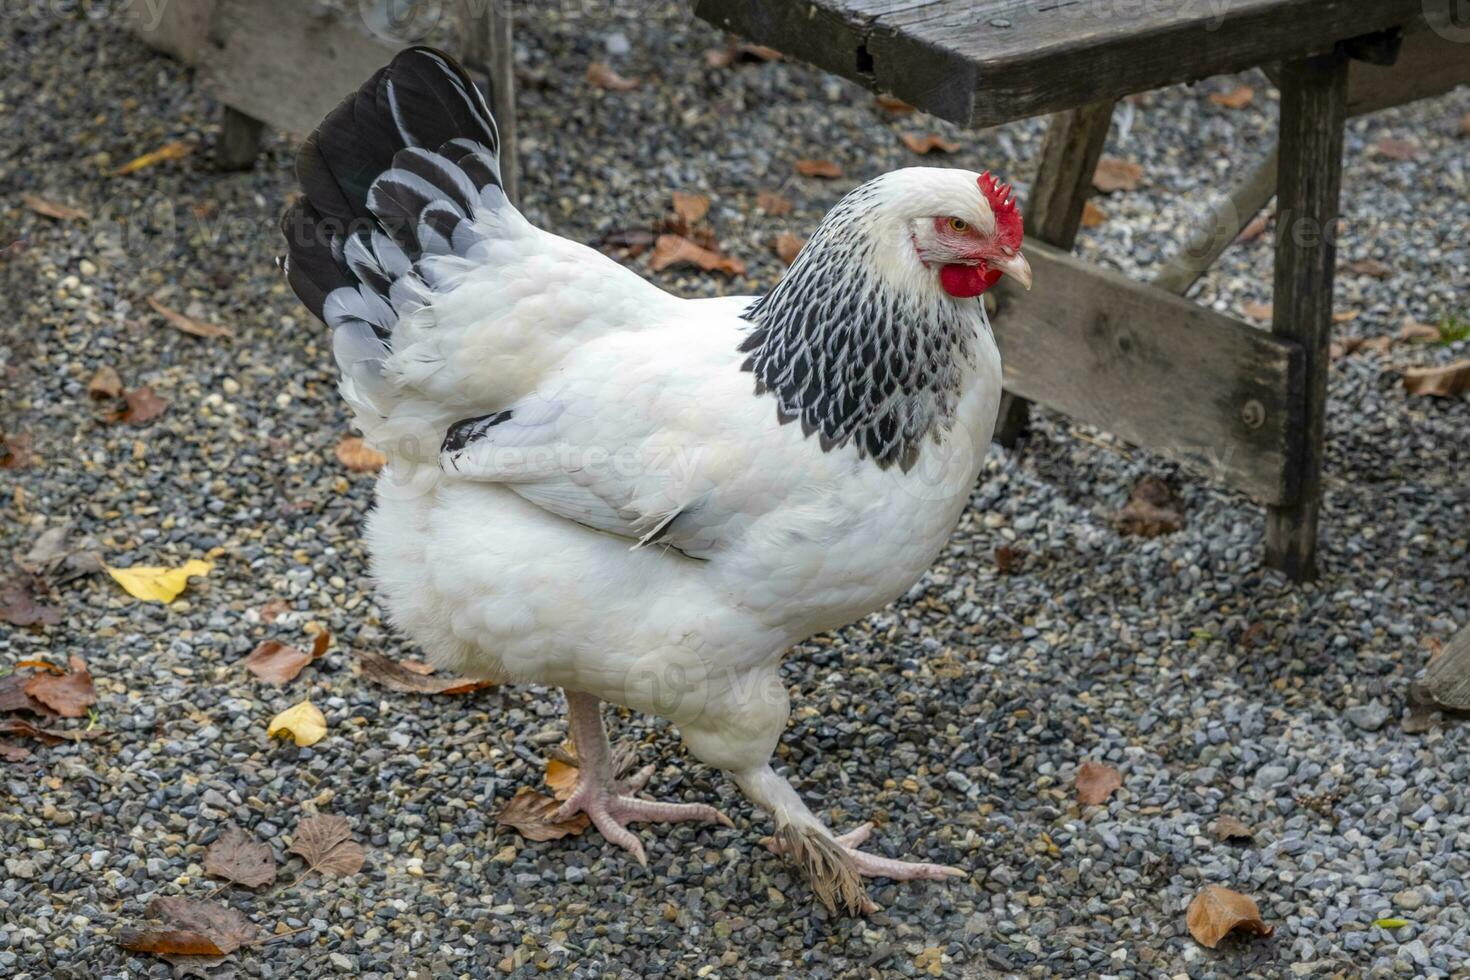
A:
1309,183
1157,370
1448,678
1053,210
487,44
985,62
1429,64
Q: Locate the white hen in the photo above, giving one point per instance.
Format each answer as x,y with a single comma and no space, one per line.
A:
640,498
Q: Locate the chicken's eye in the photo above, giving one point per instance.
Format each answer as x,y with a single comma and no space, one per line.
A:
959,225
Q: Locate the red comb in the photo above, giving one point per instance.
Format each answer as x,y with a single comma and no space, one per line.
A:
1008,224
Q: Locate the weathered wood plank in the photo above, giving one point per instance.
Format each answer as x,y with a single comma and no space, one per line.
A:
1447,681
1309,179
239,141
488,47
178,28
1430,62
1074,142
278,61
1157,370
984,62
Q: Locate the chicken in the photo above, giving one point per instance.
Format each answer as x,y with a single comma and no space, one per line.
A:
639,498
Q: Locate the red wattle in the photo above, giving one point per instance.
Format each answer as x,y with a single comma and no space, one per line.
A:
966,281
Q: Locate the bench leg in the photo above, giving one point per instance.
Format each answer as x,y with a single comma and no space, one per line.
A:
1313,109
239,141
1074,142
485,35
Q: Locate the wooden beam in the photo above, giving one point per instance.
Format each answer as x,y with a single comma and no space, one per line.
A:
239,141
1227,217
1313,112
1053,210
486,40
1431,61
1155,369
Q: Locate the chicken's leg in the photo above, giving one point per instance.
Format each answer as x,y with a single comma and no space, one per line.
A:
608,803
833,863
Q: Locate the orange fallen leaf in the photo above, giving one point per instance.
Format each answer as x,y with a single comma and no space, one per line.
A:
170,151
690,208
277,663
672,250
358,457
1447,381
894,105
773,204
1255,229
1093,216
528,813
1237,98
70,694
191,928
602,75
1399,149
928,143
1259,311
1096,782
50,209
187,324
561,777
826,169
1116,175
105,384
1346,316
42,665
788,246
1216,912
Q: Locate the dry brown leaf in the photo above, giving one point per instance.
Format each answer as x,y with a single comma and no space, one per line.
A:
1465,125
893,104
743,51
42,665
1399,149
826,169
105,384
139,406
561,777
1447,381
18,605
56,559
1370,267
1229,828
14,753
1237,98
358,457
187,324
528,813
773,204
1346,316
1259,311
1116,175
191,928
1412,330
788,246
13,697
15,451
1255,228
1152,509
51,736
671,250
68,695
273,610
325,843
417,666
632,242
1093,216
170,151
601,74
276,663
1096,782
1008,560
50,209
928,143
690,208
238,857
413,680
1216,912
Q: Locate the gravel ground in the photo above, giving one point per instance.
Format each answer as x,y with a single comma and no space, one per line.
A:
958,716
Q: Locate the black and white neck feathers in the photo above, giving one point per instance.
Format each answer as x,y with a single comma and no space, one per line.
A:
856,343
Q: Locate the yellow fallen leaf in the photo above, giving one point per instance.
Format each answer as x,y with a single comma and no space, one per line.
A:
171,151
304,723
158,584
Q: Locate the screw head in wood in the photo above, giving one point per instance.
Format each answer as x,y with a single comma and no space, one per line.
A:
1253,414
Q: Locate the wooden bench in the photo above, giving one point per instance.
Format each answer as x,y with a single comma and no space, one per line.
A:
287,63
1132,358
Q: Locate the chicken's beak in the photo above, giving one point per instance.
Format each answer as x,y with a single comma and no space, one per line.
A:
1016,267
